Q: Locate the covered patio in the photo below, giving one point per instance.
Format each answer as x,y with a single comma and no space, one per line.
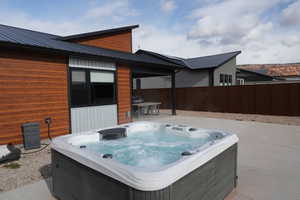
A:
141,107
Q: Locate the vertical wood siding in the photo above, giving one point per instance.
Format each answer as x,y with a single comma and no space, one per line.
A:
268,99
32,87
124,93
117,41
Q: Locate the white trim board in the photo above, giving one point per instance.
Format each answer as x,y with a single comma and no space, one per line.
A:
91,64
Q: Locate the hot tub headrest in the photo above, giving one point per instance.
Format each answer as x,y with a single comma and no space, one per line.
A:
113,133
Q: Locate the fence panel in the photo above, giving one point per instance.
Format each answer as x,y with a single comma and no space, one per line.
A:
268,99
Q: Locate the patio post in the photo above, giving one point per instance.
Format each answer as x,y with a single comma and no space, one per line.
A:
173,93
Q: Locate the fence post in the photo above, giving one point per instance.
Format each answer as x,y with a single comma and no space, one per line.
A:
173,93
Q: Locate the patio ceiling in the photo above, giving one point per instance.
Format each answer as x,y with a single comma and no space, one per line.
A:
144,71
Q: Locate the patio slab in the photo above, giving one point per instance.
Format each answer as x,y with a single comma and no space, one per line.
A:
268,160
40,190
268,157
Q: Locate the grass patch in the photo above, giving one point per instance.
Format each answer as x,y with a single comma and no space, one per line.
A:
12,165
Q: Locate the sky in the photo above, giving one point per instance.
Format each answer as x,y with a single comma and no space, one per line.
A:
266,31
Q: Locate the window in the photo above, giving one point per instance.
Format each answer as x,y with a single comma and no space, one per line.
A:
225,79
102,88
92,87
79,88
240,81
229,79
222,79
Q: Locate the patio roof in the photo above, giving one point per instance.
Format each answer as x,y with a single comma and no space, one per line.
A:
197,63
23,38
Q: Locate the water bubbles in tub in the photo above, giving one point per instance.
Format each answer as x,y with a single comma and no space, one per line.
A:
149,149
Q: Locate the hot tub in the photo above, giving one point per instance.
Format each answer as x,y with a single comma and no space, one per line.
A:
148,161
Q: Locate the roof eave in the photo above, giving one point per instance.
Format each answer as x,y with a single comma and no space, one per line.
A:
233,56
98,33
253,72
71,53
157,55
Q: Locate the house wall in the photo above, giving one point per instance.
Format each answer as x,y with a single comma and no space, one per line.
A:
184,78
92,117
124,93
33,86
227,68
121,41
155,82
195,78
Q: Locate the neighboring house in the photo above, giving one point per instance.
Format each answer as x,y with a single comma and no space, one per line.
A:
81,81
245,77
288,72
214,70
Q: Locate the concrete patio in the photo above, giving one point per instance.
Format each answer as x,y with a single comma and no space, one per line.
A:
268,160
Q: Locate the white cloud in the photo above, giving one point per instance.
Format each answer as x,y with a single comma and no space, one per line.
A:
19,19
239,24
218,27
116,9
168,42
229,26
291,14
229,20
167,6
98,17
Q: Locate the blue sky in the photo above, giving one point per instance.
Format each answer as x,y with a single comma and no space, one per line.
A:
267,31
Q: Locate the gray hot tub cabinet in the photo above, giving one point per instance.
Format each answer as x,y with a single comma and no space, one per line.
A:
212,181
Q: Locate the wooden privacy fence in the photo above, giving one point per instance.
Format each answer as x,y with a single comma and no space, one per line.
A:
269,99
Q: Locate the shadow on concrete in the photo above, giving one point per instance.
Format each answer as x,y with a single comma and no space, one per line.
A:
46,172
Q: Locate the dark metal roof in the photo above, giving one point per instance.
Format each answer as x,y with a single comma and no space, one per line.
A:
27,38
171,59
27,31
254,72
97,33
212,61
205,62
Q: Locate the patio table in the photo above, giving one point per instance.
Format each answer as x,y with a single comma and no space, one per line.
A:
147,108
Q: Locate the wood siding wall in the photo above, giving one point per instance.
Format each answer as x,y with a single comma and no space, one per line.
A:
118,41
121,41
32,87
124,93
269,99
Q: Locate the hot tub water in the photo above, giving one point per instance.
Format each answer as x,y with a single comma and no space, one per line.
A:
151,148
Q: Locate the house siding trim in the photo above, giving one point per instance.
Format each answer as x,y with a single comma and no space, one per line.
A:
91,64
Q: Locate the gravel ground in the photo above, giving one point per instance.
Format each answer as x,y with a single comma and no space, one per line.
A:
241,117
33,167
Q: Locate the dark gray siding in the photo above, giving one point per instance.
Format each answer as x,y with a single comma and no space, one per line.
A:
228,68
212,181
192,78
184,78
